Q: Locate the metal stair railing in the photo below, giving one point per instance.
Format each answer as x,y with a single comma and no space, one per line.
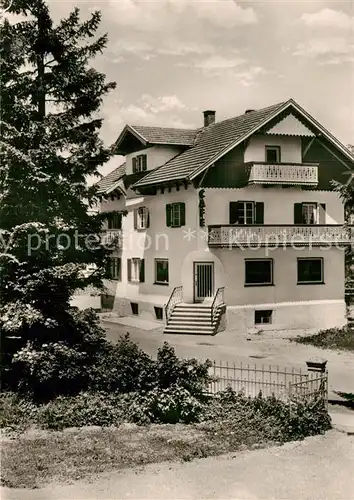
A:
175,298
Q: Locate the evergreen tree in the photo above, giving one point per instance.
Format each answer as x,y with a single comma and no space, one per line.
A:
50,143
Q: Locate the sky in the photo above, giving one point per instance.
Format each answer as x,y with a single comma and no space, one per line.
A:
172,59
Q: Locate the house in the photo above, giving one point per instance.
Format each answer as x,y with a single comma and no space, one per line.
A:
233,223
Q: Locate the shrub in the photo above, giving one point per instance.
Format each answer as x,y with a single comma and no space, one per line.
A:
81,410
333,338
45,370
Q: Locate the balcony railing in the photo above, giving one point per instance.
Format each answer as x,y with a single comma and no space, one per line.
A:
283,173
112,238
279,235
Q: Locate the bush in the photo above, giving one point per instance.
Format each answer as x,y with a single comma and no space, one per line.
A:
45,370
272,418
333,338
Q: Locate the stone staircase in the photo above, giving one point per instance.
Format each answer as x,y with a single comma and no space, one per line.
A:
193,319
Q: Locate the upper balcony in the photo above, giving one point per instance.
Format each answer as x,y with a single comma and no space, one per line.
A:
112,238
271,235
296,174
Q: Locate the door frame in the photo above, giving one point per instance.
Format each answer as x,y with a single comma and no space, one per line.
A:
210,263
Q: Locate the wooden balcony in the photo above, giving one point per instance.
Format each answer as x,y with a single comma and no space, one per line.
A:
112,238
296,174
279,235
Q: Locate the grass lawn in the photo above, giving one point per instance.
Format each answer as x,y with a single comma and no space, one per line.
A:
36,457
334,338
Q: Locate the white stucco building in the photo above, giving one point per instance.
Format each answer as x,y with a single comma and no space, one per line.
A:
234,223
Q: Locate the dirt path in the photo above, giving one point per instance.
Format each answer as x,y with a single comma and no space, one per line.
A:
317,468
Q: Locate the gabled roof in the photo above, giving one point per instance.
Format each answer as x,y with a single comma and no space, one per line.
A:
148,136
161,135
108,182
216,140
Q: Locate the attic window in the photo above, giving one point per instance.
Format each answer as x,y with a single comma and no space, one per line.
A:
139,163
272,154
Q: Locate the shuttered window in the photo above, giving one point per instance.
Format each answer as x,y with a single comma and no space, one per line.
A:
136,270
139,163
246,212
115,221
141,218
115,268
175,214
309,213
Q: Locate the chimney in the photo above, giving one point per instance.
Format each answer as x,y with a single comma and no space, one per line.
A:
209,117
249,111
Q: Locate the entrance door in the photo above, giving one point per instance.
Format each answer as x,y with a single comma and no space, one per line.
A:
203,280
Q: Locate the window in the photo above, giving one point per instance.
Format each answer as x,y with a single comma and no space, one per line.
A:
263,317
272,154
139,163
136,270
161,271
175,214
115,268
158,312
258,272
141,218
310,270
115,221
246,212
309,213
135,308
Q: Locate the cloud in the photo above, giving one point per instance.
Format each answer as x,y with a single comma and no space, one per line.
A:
164,111
327,50
223,66
149,15
328,18
127,47
175,47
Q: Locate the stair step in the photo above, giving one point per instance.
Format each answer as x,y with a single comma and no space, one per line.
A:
189,331
183,314
188,321
190,327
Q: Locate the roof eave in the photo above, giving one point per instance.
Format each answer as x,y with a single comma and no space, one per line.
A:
287,104
131,130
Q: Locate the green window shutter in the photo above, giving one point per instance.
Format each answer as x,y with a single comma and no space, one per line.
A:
322,214
259,213
148,218
129,269
144,160
119,268
233,212
134,165
110,223
182,207
168,215
298,213
142,270
135,215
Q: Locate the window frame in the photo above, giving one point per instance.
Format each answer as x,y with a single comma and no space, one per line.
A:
135,265
278,153
139,163
173,214
117,267
318,259
114,222
156,282
267,313
271,282
316,212
139,218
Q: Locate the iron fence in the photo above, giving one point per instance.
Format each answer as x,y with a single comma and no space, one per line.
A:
283,383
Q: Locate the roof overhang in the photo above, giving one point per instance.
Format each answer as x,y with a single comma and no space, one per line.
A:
288,105
128,141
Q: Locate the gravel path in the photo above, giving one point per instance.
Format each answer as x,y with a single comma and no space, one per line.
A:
317,468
